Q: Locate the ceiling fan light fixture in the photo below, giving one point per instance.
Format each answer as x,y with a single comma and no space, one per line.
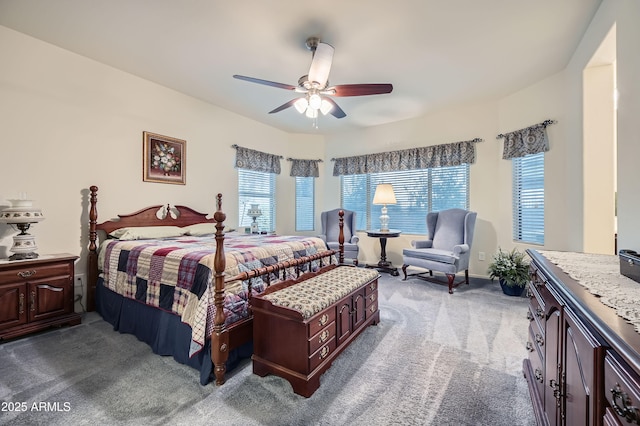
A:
315,101
301,105
312,113
325,107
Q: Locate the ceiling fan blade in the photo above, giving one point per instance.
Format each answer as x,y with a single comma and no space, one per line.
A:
284,106
265,82
336,111
321,64
361,89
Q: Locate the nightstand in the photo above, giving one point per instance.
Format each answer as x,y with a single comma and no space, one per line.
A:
36,294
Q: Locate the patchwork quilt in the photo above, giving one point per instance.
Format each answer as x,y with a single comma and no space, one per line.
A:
176,274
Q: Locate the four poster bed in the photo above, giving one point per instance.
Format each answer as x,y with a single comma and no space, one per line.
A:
175,280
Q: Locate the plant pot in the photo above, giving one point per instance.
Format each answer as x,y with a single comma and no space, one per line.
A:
511,290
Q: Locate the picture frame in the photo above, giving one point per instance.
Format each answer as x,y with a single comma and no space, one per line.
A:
164,159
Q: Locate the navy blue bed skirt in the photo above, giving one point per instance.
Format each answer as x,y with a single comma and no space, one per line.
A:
163,331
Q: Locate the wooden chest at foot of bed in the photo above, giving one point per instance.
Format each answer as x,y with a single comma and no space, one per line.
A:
299,328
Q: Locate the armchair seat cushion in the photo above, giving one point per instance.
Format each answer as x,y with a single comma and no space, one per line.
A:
437,255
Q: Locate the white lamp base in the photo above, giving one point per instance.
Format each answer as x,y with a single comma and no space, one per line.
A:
24,247
384,219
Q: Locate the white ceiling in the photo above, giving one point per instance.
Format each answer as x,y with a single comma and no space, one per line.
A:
436,53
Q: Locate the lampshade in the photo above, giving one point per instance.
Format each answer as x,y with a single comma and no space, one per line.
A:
301,105
325,107
315,101
384,194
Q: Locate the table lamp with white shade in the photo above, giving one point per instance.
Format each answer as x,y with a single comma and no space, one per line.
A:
21,215
384,195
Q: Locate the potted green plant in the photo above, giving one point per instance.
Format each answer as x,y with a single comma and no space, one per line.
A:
512,270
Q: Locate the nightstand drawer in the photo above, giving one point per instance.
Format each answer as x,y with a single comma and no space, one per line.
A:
26,272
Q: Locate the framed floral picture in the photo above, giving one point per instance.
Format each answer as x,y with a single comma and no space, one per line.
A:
164,159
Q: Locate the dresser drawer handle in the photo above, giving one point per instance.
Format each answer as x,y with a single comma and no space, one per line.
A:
372,286
539,339
324,352
372,297
21,307
529,346
372,308
628,411
323,336
538,375
33,301
26,274
540,313
323,319
529,316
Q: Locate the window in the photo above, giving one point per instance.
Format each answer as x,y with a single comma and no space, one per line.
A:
417,193
304,203
257,188
528,198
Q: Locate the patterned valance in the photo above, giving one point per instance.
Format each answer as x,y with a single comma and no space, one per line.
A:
304,168
451,154
530,140
251,159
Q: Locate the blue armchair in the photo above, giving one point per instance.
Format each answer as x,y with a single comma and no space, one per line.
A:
448,248
331,229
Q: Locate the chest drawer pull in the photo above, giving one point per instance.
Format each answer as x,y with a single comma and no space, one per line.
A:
324,352
529,316
33,301
628,411
26,274
323,319
540,312
539,339
21,307
323,336
530,346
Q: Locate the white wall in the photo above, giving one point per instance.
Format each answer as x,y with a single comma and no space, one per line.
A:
68,122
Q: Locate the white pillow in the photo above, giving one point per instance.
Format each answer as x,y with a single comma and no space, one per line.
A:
199,229
147,232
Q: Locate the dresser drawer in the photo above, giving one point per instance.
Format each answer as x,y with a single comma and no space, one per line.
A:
321,354
25,272
536,337
536,360
322,337
536,309
622,390
321,320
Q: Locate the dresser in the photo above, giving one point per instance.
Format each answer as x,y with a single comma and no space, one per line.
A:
300,327
36,294
583,363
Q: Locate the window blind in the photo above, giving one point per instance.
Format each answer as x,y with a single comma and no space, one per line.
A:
528,198
257,188
417,193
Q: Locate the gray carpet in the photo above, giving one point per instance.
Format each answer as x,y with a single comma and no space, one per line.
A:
435,359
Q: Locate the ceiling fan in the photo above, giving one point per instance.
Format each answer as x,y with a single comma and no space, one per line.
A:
315,85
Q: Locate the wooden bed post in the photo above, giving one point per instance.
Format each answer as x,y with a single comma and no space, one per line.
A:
220,334
341,237
92,260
